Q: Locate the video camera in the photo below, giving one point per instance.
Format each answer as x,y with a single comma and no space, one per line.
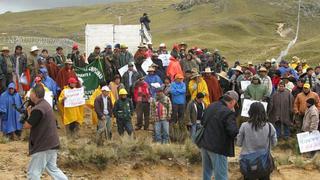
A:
23,110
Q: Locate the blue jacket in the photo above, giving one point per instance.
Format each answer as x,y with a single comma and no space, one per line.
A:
51,85
178,92
153,79
10,117
284,70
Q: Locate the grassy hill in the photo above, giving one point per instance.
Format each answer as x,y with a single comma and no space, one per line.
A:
244,30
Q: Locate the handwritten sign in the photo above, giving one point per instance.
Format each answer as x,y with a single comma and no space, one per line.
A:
74,97
245,84
165,59
246,106
309,141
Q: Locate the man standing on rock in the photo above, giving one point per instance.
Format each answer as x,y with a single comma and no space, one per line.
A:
217,142
43,140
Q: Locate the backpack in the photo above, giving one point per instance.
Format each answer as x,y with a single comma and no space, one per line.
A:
257,164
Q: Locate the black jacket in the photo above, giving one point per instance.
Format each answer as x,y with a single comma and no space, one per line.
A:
220,130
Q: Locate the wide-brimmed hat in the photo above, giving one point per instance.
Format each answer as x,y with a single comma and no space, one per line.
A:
224,75
142,46
238,68
34,48
162,45
250,63
263,69
194,75
5,49
68,61
207,70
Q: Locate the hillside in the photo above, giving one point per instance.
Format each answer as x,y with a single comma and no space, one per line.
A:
244,30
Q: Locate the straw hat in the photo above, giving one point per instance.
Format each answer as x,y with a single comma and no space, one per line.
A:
5,49
207,70
34,48
194,75
263,69
238,68
223,75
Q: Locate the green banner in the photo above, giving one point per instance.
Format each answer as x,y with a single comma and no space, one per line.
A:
91,75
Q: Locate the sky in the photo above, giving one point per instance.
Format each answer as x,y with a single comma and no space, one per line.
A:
27,5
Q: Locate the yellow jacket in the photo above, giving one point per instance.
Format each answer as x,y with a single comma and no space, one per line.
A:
70,114
90,103
195,88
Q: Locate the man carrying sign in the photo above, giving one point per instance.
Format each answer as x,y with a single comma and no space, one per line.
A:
72,117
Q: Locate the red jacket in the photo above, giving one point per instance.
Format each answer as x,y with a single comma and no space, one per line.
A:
174,68
141,92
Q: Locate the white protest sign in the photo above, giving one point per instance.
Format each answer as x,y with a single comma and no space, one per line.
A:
146,64
165,59
125,69
309,141
245,84
48,96
74,97
246,106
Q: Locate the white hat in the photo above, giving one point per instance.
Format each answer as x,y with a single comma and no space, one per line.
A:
68,61
105,88
162,45
34,48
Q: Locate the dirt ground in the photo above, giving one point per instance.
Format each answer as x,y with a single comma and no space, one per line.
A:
14,161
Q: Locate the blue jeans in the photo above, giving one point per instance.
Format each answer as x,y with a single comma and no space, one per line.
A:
45,160
215,164
286,130
161,129
194,128
104,128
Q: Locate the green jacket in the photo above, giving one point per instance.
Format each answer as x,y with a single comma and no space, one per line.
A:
125,58
60,60
123,109
256,92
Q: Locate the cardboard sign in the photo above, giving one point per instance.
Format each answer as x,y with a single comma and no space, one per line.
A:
146,64
165,59
246,106
309,141
74,97
245,84
125,69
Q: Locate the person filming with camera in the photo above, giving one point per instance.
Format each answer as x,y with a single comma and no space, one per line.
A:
43,140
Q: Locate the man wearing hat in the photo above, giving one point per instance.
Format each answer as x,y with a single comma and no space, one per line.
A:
224,81
161,110
75,56
162,49
129,78
104,110
65,74
32,61
178,91
95,55
217,142
116,55
155,60
236,77
141,96
107,51
153,80
7,68
265,79
125,56
194,113
72,117
215,91
59,57
198,84
139,57
251,68
311,118
191,61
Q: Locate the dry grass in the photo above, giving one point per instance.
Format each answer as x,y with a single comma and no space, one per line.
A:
4,139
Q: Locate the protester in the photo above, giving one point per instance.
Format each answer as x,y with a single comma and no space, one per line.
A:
7,67
298,88
115,86
52,68
75,56
178,92
265,79
104,110
194,113
316,87
256,90
59,57
10,102
123,111
310,77
72,117
224,82
129,78
217,142
20,61
153,80
139,57
32,63
213,84
44,139
125,56
142,97
174,67
281,111
160,69
65,74
256,135
95,55
311,117
190,62
161,110
198,84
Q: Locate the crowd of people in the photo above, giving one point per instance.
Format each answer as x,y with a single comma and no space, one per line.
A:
190,88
